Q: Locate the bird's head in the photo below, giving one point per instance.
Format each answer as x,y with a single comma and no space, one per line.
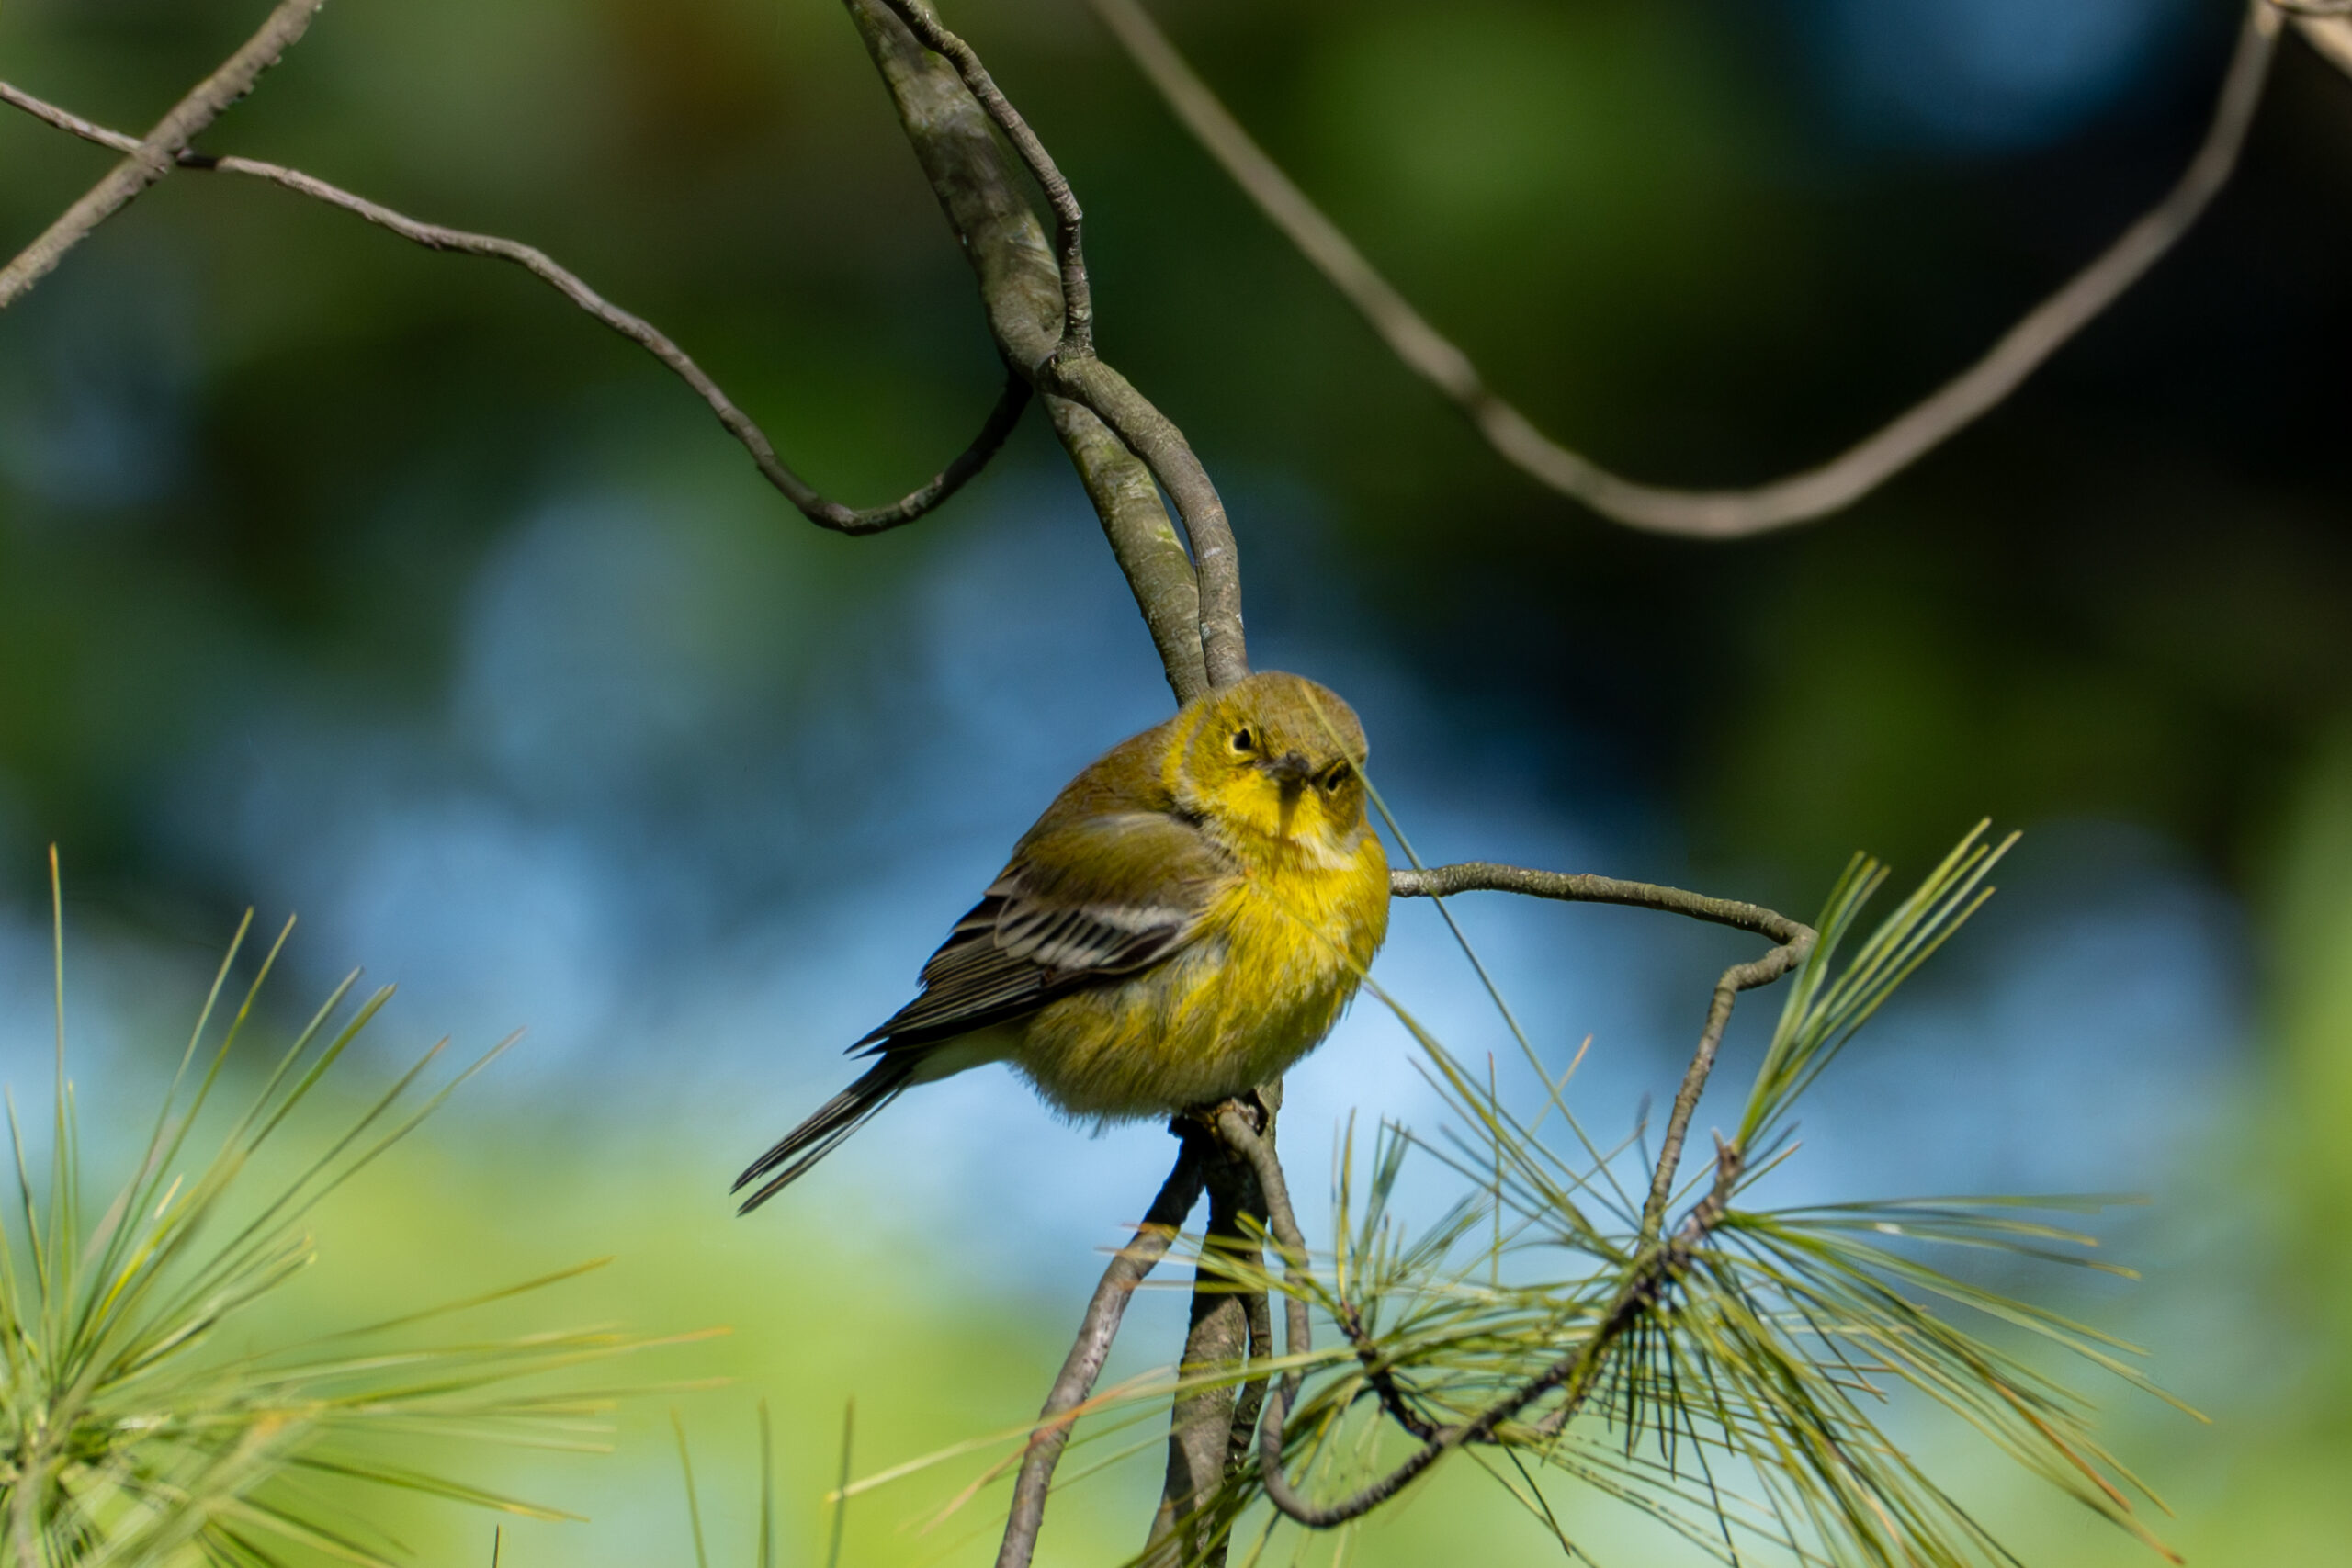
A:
1278,756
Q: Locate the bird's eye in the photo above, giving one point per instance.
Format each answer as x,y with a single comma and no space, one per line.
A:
1334,776
1243,740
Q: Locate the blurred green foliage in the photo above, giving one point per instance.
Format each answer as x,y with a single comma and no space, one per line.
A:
253,455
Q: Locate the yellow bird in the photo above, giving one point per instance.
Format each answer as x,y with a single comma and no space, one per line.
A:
1188,919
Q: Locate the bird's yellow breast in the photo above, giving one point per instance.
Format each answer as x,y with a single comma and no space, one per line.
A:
1282,947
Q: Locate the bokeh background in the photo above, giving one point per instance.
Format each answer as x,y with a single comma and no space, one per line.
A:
343,579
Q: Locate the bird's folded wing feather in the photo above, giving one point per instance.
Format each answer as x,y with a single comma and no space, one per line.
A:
1086,900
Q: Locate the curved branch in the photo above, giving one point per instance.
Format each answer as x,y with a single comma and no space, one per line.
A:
1153,436
149,161
1022,290
825,513
1078,293
1729,513
1072,370
1095,1332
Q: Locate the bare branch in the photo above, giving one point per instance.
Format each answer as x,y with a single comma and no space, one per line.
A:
1095,1332
1737,978
1020,289
1152,436
1801,497
1069,369
1213,1426
1577,887
1281,1220
150,160
432,236
1078,294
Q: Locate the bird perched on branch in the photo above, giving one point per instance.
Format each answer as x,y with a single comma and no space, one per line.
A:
1189,917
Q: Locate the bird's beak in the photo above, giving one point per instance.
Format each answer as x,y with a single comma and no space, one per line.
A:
1291,770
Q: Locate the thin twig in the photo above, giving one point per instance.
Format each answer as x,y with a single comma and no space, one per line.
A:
150,160
1084,1364
1153,436
1281,1219
1737,978
1578,888
432,236
1801,497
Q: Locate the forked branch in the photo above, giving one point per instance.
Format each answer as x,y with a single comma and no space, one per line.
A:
965,174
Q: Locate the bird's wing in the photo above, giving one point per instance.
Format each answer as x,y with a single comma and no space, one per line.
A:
1086,900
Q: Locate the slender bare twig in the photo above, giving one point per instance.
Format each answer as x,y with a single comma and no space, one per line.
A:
150,159
1801,497
432,236
1096,1331
1737,978
1578,888
1281,1219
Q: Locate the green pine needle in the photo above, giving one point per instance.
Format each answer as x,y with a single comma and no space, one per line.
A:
132,1438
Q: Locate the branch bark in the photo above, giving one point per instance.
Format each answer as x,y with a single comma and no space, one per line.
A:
1208,1430
1040,304
150,159
1087,1353
1801,497
1022,293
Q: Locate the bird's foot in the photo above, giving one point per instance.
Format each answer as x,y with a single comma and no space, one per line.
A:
1251,1108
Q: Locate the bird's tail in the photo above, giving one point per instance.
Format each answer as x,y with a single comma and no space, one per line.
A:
823,1133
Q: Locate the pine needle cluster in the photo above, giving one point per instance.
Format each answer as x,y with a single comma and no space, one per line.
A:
1744,1375
133,1431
